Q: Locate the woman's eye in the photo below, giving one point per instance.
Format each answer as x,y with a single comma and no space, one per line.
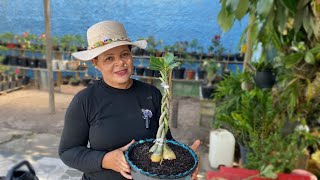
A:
124,54
108,59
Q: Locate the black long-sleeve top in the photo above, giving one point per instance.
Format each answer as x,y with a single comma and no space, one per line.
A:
107,118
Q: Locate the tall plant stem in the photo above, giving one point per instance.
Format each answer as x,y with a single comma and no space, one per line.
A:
248,54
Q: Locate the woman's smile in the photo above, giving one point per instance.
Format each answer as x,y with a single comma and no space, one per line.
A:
122,72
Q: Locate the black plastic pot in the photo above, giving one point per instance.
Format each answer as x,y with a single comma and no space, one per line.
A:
25,80
265,79
75,83
13,60
23,61
139,70
201,73
42,63
86,80
239,57
149,72
207,91
33,63
157,73
178,73
140,174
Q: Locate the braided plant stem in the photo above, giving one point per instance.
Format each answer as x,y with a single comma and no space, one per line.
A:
160,150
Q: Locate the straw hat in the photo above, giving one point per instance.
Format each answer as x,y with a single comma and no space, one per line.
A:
104,36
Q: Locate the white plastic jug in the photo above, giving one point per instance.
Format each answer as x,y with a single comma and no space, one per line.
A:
221,148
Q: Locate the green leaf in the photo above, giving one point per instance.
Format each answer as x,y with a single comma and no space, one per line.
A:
231,5
168,58
298,20
281,18
156,63
302,3
264,7
290,4
254,33
292,59
176,64
242,9
225,20
309,58
306,23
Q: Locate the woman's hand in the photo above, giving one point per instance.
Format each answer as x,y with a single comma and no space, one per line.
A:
116,161
195,147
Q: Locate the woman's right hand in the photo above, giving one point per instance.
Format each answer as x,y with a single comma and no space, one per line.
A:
116,161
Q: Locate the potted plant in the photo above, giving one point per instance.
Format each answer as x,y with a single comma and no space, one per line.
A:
193,48
74,82
153,46
86,79
216,50
164,156
211,77
80,43
140,68
190,73
264,77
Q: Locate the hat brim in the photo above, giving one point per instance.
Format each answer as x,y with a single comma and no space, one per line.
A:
88,55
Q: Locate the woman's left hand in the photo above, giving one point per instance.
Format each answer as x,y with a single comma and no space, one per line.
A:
195,147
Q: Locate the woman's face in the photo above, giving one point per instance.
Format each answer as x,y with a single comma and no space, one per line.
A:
116,66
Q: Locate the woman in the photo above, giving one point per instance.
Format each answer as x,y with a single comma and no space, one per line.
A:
103,120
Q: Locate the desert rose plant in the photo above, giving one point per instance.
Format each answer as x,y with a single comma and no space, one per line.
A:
160,150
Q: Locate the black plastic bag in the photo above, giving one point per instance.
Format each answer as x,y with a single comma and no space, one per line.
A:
15,173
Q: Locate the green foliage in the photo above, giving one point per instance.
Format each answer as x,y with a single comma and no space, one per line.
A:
163,64
262,65
153,45
284,156
181,48
291,29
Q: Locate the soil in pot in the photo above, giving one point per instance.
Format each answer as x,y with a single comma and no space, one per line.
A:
184,163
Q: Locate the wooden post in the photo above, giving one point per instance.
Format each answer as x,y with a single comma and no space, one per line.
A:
36,79
49,55
59,79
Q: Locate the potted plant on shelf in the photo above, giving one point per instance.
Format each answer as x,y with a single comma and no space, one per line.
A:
80,43
211,78
216,50
190,72
168,159
154,46
140,67
194,48
74,82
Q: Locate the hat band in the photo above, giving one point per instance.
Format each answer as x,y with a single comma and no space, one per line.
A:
108,41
